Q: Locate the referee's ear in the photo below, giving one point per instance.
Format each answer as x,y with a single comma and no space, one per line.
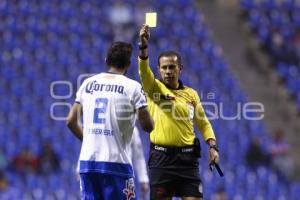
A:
158,68
180,68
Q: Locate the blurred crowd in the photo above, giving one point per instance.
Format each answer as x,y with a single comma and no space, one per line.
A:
275,155
26,163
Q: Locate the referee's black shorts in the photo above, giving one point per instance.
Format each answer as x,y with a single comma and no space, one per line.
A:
173,172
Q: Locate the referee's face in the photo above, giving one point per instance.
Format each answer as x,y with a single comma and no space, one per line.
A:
169,71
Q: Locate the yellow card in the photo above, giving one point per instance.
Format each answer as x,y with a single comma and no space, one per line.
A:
151,19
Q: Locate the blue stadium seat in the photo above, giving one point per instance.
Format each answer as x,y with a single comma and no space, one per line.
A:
268,4
268,17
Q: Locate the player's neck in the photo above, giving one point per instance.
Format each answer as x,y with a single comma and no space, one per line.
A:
116,70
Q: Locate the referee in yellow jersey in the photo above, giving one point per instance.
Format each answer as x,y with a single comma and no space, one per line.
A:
173,162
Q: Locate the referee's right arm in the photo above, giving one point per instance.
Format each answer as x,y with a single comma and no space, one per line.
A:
145,72
143,45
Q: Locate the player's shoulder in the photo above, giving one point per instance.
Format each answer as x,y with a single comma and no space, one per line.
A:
91,78
131,82
94,77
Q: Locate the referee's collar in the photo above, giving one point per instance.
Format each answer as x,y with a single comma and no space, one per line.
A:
180,87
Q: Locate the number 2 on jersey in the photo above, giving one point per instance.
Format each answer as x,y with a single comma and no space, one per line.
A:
100,107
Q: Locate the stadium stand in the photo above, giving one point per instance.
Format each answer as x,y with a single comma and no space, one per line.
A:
276,25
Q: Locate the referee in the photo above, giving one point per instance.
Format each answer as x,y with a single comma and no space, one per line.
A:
173,162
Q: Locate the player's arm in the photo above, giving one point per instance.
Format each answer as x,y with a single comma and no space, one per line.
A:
72,120
145,72
141,108
138,157
145,119
206,129
139,162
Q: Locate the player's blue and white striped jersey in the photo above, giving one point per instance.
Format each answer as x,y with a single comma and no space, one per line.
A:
109,102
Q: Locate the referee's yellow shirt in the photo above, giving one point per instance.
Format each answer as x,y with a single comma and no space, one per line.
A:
174,111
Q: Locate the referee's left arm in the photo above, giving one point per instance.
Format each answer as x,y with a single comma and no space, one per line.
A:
206,129
203,124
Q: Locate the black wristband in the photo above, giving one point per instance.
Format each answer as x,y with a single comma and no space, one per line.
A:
142,46
215,147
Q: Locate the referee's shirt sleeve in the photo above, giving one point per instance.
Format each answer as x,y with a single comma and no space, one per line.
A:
146,76
201,120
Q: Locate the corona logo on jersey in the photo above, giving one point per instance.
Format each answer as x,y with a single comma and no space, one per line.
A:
94,86
129,189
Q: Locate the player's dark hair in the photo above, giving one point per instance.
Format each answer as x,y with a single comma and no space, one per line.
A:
119,54
170,53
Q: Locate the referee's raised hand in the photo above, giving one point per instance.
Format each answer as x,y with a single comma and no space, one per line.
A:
144,34
143,44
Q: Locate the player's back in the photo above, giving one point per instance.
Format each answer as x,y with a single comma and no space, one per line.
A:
109,102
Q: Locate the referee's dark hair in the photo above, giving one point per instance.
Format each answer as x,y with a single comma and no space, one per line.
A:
168,54
119,54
